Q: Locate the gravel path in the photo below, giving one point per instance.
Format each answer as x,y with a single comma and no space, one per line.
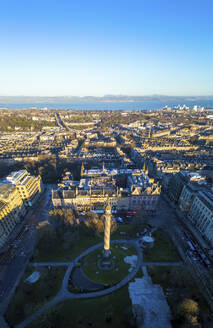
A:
36,264
163,263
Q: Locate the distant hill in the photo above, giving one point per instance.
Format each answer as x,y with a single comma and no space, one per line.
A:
92,99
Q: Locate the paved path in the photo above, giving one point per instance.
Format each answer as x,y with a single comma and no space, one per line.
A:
64,294
149,301
36,264
66,276
144,269
163,263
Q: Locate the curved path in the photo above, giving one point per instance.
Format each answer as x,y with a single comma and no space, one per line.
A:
64,294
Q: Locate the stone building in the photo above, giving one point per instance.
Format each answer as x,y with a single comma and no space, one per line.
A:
201,214
187,196
28,186
92,192
11,210
17,191
175,186
179,180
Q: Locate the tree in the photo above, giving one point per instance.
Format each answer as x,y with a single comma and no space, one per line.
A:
90,225
189,311
57,216
189,306
96,224
69,218
46,236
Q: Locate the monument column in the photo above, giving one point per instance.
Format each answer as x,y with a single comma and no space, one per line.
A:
107,228
106,262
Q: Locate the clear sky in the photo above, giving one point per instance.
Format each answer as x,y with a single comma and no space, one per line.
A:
97,47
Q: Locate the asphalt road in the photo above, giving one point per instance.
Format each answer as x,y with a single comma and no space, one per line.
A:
15,260
167,218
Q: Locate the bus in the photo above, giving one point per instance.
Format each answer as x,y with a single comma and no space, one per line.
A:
131,212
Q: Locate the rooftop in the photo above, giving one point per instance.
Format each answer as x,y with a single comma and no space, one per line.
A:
2,204
207,199
5,189
17,176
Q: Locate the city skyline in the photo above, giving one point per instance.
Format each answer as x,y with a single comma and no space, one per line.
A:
83,49
138,180
106,163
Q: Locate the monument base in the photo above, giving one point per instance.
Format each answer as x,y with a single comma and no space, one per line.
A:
106,262
106,253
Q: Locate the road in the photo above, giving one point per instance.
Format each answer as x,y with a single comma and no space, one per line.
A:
167,218
13,263
60,123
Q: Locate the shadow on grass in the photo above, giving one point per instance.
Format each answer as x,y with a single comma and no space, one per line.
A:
29,297
163,250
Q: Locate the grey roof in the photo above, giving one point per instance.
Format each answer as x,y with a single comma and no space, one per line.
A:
206,198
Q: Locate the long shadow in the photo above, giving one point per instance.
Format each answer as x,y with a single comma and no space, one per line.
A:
64,294
82,282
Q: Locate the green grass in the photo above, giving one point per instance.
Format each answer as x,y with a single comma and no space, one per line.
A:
90,267
163,250
85,241
90,313
130,230
73,289
61,254
178,284
29,297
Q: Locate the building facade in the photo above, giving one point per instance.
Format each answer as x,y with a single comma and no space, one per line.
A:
12,210
140,193
201,214
18,191
187,196
28,186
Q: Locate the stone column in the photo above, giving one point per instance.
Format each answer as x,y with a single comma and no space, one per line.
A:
107,227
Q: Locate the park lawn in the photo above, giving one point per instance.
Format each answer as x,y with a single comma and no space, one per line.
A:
29,297
90,266
163,250
60,254
130,230
90,313
178,284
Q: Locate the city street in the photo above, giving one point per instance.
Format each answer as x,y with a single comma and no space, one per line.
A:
13,263
17,257
188,247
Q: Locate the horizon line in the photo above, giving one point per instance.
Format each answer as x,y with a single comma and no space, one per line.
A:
106,95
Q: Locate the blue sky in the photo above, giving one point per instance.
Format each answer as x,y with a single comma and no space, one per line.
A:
89,47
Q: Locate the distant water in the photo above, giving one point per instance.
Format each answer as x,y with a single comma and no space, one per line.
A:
142,105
